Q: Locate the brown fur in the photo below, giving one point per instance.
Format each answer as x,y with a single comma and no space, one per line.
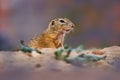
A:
53,37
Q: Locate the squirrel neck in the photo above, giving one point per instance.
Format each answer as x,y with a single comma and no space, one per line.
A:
50,31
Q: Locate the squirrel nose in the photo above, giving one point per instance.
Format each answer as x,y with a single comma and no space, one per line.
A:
72,26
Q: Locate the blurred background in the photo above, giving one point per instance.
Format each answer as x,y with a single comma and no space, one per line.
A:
97,21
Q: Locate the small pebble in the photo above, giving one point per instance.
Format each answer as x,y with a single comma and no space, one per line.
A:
37,65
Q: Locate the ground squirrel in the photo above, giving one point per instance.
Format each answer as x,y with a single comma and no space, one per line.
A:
53,36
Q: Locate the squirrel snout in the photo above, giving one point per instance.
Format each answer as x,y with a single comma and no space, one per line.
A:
72,26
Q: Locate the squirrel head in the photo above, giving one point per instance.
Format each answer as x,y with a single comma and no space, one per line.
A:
61,25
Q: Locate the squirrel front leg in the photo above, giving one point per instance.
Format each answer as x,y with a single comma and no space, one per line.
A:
60,38
62,42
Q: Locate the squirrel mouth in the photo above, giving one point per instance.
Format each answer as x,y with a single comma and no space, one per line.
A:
68,30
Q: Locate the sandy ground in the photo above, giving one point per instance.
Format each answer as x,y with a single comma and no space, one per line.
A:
15,65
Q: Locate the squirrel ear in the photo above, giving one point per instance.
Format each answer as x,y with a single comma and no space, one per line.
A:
52,23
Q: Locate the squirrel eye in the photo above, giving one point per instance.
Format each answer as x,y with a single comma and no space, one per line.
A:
62,21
